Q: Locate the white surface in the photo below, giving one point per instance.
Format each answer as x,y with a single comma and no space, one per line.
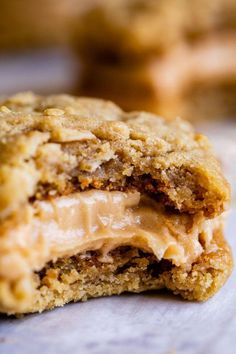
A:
135,324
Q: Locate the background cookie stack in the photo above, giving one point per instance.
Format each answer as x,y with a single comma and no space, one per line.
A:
172,57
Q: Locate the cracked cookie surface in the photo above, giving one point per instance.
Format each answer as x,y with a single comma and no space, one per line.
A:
59,144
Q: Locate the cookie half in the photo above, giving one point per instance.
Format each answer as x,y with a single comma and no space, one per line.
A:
95,201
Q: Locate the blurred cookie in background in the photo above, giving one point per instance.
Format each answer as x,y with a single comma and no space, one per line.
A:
190,82
121,30
171,57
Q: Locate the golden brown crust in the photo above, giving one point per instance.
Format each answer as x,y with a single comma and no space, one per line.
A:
207,275
59,144
84,276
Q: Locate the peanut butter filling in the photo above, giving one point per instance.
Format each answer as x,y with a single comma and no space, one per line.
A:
101,220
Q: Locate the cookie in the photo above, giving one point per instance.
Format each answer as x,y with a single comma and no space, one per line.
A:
185,82
95,201
138,29
174,58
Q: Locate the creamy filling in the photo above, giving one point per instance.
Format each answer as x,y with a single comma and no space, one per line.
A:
101,220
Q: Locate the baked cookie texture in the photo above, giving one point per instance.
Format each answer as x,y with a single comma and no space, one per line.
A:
109,149
60,157
169,57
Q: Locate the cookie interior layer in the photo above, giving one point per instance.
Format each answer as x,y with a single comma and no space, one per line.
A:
101,221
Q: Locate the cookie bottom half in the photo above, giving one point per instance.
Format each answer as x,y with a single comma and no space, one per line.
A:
86,275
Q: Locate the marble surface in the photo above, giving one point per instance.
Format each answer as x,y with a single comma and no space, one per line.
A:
135,324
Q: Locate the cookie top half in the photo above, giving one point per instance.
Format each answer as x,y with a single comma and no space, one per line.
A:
57,145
